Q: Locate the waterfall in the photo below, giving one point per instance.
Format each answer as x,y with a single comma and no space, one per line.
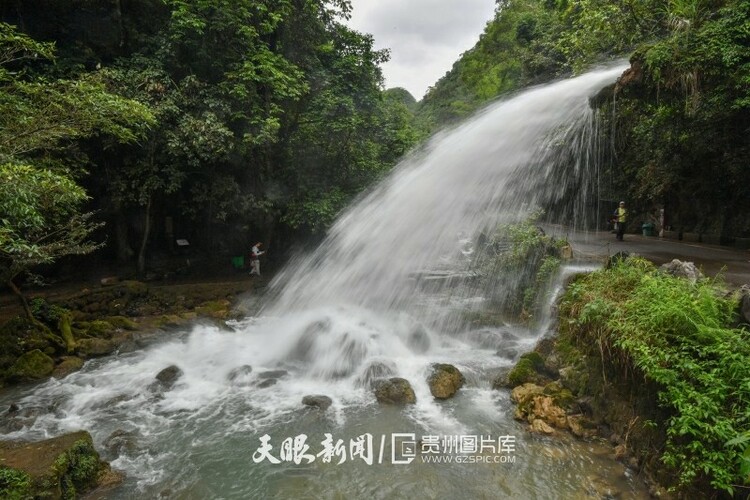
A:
531,150
378,298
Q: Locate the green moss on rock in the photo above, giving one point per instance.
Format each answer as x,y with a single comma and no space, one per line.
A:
64,467
33,365
527,369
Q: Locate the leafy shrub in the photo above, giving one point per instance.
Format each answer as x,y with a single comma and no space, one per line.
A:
678,335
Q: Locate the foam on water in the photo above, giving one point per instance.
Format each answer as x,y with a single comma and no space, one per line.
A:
379,297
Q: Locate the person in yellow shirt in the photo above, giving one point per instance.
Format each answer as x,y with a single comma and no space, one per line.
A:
620,217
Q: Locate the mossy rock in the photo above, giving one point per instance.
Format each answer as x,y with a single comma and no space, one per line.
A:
218,309
33,365
64,467
135,288
559,394
122,323
97,328
18,336
527,369
68,365
92,348
394,391
445,380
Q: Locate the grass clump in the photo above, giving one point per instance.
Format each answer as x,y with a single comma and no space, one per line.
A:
679,336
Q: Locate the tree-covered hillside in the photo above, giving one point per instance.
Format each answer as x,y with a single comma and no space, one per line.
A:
681,117
221,122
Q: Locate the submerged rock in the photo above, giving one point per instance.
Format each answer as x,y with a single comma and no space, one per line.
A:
394,391
167,378
267,383
418,340
375,371
272,374
68,365
238,372
121,442
302,350
317,401
63,467
445,380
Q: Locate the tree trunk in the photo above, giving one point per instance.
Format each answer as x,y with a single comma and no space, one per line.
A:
144,242
24,302
124,251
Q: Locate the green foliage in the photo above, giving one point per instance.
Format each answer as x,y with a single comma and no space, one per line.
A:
677,335
526,256
40,219
15,484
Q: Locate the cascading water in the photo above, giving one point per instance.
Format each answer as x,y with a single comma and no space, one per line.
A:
356,309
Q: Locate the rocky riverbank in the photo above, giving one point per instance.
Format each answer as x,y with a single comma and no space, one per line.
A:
641,360
114,316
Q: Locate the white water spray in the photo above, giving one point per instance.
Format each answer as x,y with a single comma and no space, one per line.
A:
351,311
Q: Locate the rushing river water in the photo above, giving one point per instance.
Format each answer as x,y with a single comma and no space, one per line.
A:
385,295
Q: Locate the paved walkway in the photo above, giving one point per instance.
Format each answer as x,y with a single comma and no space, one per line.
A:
711,259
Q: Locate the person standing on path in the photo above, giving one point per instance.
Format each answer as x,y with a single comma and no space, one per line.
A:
255,254
620,217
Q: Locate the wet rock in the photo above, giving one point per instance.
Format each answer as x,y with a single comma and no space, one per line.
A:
167,378
267,383
539,426
122,442
67,365
574,378
13,409
317,401
351,352
544,408
109,281
500,380
419,340
67,466
528,369
445,380
394,391
523,393
581,427
32,365
509,351
239,372
376,370
597,487
92,348
682,269
302,350
272,374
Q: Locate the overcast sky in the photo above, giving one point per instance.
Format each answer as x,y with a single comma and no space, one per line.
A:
425,36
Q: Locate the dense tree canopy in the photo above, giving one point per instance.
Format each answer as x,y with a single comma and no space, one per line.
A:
267,117
682,122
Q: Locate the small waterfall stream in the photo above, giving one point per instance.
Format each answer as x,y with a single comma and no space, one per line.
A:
383,295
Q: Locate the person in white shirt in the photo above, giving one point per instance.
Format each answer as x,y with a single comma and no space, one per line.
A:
255,254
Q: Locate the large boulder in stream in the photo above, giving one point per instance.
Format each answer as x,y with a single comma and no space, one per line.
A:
445,380
167,378
394,391
63,467
375,371
317,401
